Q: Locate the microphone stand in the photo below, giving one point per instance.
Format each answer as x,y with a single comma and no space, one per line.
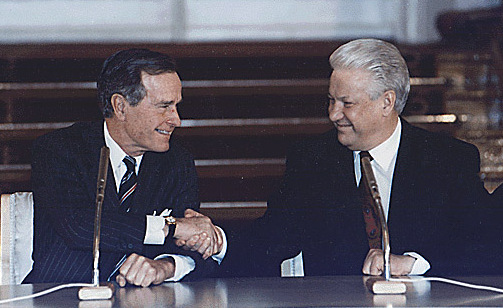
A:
98,291
381,286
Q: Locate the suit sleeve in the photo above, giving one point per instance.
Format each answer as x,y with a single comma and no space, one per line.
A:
272,238
184,195
481,218
461,238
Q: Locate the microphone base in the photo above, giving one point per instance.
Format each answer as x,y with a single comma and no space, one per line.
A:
101,292
382,286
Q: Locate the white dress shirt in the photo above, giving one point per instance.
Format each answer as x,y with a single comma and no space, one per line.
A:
383,165
155,223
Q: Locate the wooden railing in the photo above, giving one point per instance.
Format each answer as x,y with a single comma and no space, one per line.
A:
245,103
212,127
195,87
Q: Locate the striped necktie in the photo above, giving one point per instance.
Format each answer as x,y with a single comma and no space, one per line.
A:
128,182
372,223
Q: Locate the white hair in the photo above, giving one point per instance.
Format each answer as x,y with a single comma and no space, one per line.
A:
382,60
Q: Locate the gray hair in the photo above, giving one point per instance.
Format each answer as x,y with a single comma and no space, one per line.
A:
122,74
382,60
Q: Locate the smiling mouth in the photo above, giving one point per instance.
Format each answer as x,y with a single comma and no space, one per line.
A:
343,124
164,132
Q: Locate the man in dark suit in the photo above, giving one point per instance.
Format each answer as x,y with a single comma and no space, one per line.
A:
139,91
428,183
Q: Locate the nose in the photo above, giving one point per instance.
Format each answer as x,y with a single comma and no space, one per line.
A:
173,117
335,111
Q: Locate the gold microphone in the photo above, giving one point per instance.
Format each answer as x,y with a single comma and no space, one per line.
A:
380,286
98,291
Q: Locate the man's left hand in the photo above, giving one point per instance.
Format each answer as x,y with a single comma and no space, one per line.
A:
399,264
141,271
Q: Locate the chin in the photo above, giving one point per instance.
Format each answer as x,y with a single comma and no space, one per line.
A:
344,141
165,149
351,145
160,148
161,145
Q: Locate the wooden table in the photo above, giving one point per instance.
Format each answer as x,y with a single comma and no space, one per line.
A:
269,292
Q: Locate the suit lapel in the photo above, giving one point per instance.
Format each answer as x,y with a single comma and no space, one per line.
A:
95,140
348,213
342,184
146,184
340,160
403,176
149,182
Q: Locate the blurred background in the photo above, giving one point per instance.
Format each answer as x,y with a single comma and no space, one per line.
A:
255,77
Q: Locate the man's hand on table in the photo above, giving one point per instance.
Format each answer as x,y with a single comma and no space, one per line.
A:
141,271
399,264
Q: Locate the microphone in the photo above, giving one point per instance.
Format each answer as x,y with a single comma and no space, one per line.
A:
98,291
381,286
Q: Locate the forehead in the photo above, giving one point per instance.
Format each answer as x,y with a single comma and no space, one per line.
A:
164,86
346,82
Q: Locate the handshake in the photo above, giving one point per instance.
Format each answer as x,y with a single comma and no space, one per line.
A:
193,232
196,232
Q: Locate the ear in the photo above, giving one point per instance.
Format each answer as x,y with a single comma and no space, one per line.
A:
119,105
389,99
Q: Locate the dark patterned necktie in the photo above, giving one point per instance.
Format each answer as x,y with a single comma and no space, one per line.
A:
128,182
372,224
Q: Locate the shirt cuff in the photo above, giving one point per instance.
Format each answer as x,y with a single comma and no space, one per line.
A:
220,256
183,265
420,266
154,235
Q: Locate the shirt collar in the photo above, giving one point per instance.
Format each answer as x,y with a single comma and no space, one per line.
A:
385,153
116,152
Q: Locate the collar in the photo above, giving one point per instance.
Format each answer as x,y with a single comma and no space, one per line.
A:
116,152
385,153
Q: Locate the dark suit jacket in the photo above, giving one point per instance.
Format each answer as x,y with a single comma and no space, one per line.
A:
436,192
64,177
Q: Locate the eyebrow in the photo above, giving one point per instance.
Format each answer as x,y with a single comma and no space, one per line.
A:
168,102
340,98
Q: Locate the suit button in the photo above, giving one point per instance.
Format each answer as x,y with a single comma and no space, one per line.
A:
130,246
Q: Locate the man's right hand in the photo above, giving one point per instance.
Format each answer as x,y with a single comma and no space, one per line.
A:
400,265
197,233
142,271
